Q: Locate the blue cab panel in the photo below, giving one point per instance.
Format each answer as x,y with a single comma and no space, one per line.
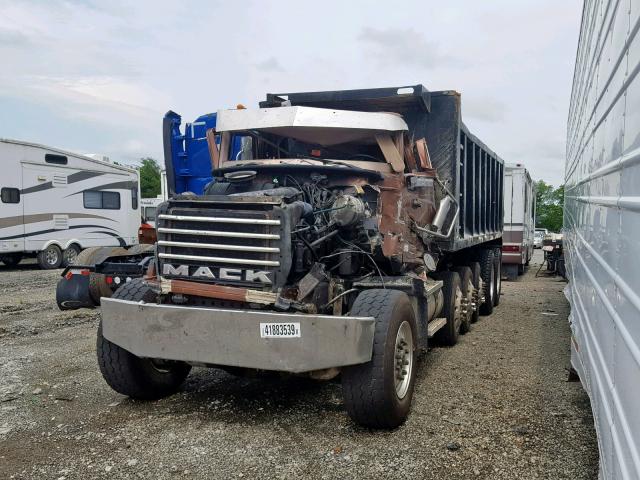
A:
186,154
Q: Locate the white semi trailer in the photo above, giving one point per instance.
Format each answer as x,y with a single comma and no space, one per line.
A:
55,203
602,227
519,220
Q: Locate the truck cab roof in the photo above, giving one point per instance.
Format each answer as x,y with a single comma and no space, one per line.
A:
320,126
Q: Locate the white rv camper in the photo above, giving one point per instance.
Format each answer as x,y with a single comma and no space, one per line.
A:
519,220
55,203
602,228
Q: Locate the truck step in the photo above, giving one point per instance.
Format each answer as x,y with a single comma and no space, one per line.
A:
435,325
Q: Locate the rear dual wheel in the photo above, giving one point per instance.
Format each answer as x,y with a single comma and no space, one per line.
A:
467,301
487,273
497,257
476,277
451,309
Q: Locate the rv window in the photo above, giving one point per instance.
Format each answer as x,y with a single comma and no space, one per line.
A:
57,159
102,200
134,197
111,200
10,195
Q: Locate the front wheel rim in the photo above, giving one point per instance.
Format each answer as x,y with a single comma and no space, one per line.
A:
403,361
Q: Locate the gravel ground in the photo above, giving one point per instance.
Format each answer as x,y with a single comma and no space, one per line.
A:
496,406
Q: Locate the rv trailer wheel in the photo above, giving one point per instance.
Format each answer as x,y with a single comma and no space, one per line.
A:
50,258
70,254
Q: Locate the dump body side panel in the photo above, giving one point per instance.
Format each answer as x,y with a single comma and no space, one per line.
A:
602,227
469,169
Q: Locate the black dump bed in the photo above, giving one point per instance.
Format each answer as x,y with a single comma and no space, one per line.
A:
468,168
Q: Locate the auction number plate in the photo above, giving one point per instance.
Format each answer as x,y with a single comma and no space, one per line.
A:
547,248
280,330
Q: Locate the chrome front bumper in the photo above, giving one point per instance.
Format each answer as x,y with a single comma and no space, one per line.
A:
223,337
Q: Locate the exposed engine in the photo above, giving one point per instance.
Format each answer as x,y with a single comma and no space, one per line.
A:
304,235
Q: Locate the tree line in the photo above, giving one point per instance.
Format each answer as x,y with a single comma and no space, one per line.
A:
549,205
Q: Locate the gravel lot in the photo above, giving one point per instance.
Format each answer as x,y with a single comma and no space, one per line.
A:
496,406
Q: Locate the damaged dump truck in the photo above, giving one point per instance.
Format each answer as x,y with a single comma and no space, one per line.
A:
350,229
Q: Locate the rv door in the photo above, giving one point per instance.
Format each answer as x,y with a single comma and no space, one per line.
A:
46,214
11,213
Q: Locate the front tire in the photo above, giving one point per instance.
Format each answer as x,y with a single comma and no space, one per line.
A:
378,394
50,258
139,378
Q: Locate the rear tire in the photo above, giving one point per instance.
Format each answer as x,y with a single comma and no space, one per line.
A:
452,293
466,285
476,278
374,394
50,258
488,280
497,267
139,378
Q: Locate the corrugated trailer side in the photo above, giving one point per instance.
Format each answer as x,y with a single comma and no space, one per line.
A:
602,227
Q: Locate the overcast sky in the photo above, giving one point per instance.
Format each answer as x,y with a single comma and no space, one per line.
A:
97,76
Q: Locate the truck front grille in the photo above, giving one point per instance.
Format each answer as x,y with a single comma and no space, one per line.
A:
226,244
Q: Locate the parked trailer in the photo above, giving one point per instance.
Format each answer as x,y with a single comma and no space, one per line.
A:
519,220
602,227
56,203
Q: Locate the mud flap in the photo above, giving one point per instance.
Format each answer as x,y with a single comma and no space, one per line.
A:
73,293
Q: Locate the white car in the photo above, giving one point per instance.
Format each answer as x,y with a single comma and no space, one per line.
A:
538,236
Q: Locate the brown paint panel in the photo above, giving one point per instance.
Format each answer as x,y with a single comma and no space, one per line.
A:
209,291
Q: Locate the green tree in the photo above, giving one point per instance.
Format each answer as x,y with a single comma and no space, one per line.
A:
149,178
549,205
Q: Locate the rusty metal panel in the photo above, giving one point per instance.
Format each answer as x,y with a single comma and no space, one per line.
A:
602,227
435,116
